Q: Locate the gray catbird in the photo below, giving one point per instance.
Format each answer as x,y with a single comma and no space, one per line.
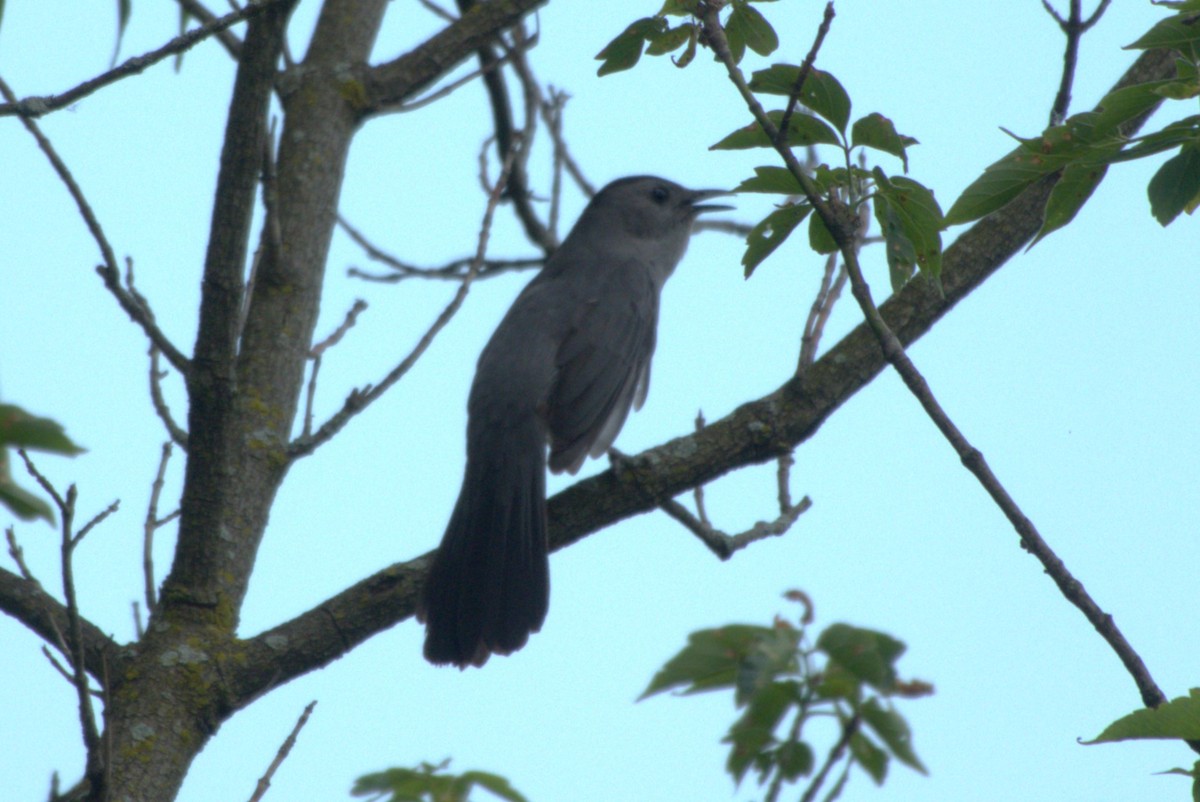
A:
565,365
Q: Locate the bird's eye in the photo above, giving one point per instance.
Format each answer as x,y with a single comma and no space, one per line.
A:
659,194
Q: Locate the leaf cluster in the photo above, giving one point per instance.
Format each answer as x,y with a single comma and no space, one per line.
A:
1085,144
20,429
745,27
431,783
781,684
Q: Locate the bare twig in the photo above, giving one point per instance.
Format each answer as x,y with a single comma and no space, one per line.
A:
359,400
1074,26
893,351
510,142
33,107
454,270
159,402
228,40
18,554
150,525
73,646
438,11
698,493
138,629
805,69
725,545
831,288
317,352
265,781
108,270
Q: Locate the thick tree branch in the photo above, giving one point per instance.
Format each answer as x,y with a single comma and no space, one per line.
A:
26,601
388,85
756,432
205,508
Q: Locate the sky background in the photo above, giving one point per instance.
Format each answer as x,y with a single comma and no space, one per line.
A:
1074,370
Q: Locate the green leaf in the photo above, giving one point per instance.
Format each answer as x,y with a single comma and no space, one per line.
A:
769,234
689,52
751,28
1171,136
23,504
1176,32
772,180
912,221
795,759
1124,104
767,658
430,782
495,783
866,654
803,129
999,184
626,49
1070,192
1194,773
753,734
878,132
20,428
822,93
710,660
670,40
1178,718
901,253
893,730
680,8
869,756
819,238
1176,185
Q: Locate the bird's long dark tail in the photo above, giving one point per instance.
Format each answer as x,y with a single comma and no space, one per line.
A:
489,586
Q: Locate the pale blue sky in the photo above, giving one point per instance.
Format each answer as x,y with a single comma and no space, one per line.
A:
1074,370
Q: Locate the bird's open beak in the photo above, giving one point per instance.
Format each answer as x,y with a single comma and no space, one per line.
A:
704,194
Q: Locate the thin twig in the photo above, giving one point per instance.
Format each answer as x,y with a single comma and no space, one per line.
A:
265,781
108,270
96,520
835,754
971,457
805,68
159,402
1074,26
315,355
451,271
18,554
149,526
360,399
32,107
228,40
138,629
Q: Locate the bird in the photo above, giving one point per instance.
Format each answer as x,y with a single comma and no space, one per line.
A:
563,369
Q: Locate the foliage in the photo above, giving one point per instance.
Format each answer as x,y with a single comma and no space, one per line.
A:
848,676
20,429
430,783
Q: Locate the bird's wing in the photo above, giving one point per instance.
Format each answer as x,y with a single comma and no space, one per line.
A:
603,365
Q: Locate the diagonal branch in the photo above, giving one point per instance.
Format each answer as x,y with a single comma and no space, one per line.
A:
756,432
194,8
108,271
893,350
390,84
32,107
26,601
